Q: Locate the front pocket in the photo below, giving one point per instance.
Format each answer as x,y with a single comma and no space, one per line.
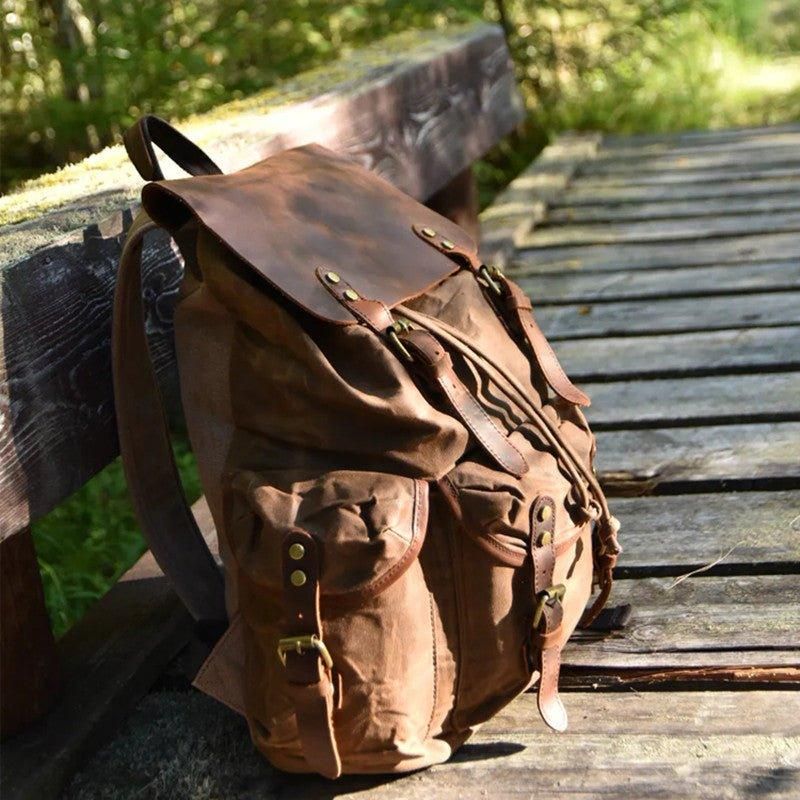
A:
376,609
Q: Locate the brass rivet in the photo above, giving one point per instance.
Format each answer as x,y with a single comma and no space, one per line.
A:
545,512
545,538
447,244
296,551
351,294
298,577
332,277
429,232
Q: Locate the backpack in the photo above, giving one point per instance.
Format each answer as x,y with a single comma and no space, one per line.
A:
397,467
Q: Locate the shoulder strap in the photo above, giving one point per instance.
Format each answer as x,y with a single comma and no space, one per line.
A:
167,521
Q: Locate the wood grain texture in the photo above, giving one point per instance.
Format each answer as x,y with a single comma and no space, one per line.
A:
670,316
656,460
581,287
710,400
681,355
623,212
671,535
710,621
419,122
635,255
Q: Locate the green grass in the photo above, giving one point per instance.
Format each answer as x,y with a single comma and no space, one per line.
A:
621,66
85,544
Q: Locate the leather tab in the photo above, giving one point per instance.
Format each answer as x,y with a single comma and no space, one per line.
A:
309,680
149,130
436,366
547,633
519,308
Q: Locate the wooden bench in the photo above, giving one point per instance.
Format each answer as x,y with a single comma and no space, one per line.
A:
419,109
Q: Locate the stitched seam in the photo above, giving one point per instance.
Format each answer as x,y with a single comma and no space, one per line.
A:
434,654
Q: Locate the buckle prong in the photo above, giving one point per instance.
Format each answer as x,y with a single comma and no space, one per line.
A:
300,644
549,597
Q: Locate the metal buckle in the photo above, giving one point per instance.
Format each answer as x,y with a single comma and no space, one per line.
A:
549,597
400,326
299,644
488,275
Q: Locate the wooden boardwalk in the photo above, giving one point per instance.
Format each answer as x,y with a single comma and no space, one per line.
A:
666,271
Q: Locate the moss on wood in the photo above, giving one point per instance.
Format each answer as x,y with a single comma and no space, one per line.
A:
230,126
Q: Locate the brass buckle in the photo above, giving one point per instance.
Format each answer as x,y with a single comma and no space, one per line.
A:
549,597
400,326
488,275
299,644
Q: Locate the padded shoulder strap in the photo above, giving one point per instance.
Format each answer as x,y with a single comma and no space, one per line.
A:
154,484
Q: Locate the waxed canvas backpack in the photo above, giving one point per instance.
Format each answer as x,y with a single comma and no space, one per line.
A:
397,467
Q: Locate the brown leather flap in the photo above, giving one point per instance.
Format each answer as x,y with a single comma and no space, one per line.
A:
308,208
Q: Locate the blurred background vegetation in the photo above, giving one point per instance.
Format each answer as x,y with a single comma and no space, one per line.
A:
75,73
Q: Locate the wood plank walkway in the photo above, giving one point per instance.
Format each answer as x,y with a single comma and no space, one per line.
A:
667,272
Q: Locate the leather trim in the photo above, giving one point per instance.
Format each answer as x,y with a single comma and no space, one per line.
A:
309,208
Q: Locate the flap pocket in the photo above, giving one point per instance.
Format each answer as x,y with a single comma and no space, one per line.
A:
370,526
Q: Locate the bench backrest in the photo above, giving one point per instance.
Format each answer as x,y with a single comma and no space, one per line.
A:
418,110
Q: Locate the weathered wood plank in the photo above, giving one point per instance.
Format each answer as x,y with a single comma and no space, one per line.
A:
578,194
30,675
763,135
671,535
622,212
661,229
634,255
618,746
57,400
581,287
707,620
110,658
694,401
678,177
681,355
760,309
610,163
758,455
418,115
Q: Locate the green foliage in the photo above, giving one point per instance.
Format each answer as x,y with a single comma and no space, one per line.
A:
77,72
84,545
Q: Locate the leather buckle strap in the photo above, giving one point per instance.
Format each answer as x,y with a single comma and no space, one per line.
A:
548,612
436,366
305,657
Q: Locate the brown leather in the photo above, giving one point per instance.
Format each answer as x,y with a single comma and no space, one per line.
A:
309,679
437,367
547,630
149,130
147,458
285,226
353,385
520,308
